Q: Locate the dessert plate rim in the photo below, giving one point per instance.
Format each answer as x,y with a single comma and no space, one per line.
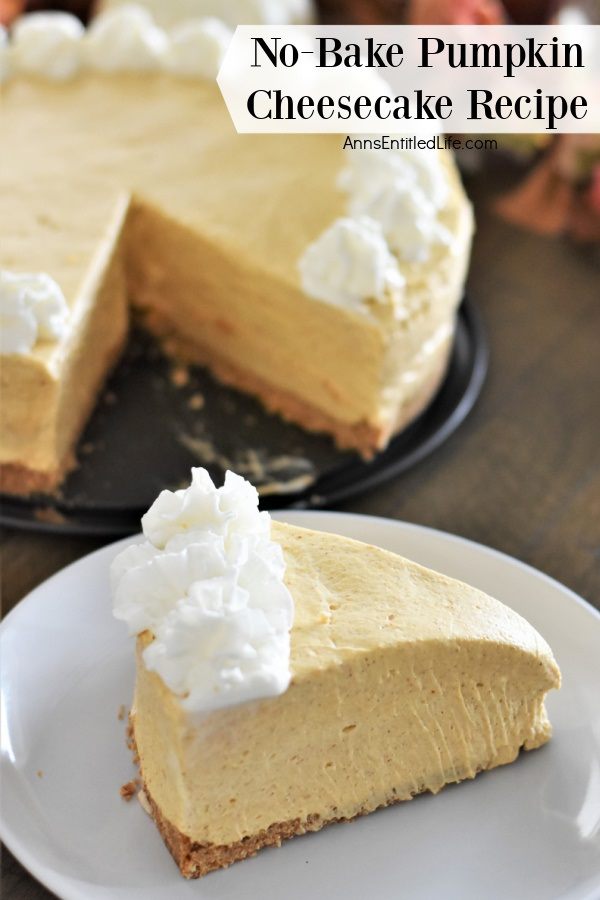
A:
574,626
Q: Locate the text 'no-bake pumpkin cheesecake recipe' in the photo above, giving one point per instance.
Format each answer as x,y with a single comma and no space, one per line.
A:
288,678
323,282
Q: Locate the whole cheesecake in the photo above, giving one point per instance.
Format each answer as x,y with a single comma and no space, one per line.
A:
276,261
250,729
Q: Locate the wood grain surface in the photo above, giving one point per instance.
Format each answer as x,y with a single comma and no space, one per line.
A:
521,475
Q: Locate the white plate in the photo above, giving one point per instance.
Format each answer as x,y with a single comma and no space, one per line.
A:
526,831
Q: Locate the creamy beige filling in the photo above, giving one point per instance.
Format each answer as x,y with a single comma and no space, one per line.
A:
252,319
46,395
378,728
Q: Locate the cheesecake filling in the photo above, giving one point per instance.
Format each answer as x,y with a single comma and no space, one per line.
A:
49,391
378,729
208,585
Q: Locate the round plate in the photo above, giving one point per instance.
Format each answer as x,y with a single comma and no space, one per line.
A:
155,421
528,831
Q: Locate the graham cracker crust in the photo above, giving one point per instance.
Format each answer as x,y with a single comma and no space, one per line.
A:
18,479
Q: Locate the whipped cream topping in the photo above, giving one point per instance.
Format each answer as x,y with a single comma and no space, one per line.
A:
394,200
47,44
208,583
4,59
407,217
233,12
268,12
123,39
368,171
431,176
196,49
350,265
404,191
32,309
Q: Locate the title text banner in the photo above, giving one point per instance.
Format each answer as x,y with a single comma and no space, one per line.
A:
413,79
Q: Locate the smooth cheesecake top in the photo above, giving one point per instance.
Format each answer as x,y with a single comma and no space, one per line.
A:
352,598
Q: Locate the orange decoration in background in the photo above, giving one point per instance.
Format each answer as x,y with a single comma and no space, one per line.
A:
456,12
9,10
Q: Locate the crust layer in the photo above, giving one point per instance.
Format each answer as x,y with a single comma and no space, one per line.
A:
17,479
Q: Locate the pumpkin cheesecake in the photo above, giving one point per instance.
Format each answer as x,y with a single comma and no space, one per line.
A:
288,678
324,282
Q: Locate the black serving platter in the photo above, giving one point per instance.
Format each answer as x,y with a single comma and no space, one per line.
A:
155,420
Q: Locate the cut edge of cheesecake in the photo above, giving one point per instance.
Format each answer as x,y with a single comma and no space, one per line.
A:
363,436
21,480
102,297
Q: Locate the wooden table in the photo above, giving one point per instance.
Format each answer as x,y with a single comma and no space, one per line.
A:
522,474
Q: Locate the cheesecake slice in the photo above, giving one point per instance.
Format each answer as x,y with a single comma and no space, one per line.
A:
401,680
